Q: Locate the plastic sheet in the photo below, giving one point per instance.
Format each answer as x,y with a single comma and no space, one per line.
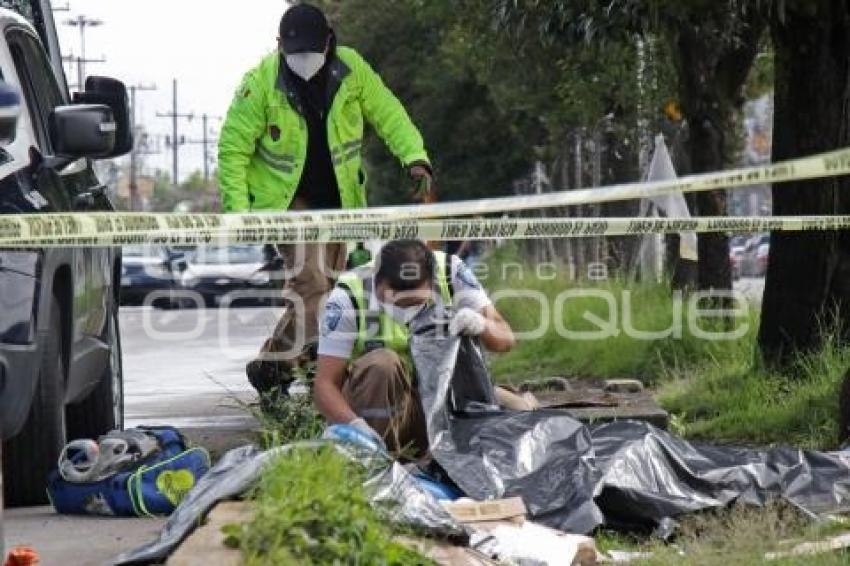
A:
625,474
392,490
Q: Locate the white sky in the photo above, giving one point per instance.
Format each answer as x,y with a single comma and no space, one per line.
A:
207,45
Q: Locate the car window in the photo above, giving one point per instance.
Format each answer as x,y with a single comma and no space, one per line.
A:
228,255
22,7
37,81
143,251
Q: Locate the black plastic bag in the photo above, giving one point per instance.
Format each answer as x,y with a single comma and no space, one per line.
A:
627,474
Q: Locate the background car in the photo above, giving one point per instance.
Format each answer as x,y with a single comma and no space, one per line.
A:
60,349
737,245
756,256
736,256
152,274
249,274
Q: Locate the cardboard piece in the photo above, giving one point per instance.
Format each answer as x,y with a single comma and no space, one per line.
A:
485,511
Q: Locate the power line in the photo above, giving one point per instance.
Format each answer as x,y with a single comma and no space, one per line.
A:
176,140
80,62
206,141
83,22
134,153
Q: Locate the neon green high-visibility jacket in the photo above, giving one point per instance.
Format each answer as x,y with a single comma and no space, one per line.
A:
263,144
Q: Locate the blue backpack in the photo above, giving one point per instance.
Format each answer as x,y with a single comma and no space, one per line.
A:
149,487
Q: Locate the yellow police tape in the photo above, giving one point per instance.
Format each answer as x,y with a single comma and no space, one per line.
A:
831,164
86,231
431,222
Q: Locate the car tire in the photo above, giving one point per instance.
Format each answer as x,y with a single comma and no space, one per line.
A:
31,455
103,410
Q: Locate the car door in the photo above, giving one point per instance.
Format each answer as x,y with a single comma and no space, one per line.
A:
70,187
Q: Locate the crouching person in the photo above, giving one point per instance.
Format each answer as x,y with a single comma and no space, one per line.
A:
365,375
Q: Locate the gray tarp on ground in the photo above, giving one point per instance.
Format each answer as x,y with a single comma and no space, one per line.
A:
390,488
575,478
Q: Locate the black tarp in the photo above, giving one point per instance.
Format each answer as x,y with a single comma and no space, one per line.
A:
626,474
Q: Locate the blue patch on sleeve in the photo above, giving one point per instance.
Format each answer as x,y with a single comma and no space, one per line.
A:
467,277
333,314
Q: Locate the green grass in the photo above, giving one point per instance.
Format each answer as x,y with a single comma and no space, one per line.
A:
714,390
289,419
738,401
622,355
645,307
310,508
742,535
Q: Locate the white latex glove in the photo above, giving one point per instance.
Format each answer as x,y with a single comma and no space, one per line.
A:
361,425
467,322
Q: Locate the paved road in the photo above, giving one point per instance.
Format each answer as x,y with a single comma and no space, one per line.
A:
182,368
187,369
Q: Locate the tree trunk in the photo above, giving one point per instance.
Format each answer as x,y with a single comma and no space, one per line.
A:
620,165
714,55
807,292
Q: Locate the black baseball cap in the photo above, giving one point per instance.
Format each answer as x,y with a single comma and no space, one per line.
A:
304,29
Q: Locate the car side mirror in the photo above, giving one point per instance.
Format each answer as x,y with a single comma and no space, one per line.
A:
82,130
112,93
10,110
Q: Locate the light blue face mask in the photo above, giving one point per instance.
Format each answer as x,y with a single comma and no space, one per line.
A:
306,65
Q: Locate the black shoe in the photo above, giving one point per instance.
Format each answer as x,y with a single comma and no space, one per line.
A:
267,376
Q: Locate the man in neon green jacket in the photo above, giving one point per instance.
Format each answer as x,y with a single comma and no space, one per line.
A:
292,141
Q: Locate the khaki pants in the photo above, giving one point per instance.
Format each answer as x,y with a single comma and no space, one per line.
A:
311,274
380,390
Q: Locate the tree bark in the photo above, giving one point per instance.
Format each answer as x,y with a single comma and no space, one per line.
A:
620,165
807,293
714,54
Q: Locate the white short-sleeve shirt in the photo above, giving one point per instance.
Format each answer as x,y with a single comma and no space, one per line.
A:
339,322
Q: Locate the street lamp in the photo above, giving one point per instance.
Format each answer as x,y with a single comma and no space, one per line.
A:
82,22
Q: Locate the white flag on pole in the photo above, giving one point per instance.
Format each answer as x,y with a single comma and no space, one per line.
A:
674,205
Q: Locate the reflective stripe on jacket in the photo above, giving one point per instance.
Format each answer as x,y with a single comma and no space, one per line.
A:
263,143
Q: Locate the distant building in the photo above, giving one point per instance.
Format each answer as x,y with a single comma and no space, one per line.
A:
145,185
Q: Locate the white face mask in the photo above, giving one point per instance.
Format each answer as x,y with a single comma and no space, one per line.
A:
306,65
404,315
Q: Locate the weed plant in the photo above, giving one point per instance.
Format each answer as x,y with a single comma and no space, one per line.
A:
311,509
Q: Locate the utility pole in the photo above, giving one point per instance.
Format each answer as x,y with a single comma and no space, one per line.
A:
176,140
83,22
206,141
80,62
134,153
